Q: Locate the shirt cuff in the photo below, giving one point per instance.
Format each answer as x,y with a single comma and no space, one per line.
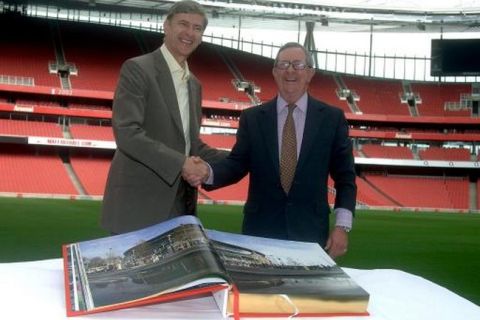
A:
209,180
344,218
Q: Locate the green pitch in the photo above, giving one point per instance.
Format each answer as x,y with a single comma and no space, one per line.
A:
441,247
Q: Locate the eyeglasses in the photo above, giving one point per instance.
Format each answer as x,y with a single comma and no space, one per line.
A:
297,65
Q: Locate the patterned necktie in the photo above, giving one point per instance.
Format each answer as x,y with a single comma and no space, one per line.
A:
288,157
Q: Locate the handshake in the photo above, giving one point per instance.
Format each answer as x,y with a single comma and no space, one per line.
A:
195,171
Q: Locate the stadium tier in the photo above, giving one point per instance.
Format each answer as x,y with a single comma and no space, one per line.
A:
478,197
82,131
377,96
219,141
236,193
378,151
26,53
434,99
30,128
423,192
98,63
390,120
208,65
326,89
436,153
370,195
26,171
260,75
92,172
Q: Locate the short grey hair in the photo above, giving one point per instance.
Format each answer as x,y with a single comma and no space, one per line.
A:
288,45
188,6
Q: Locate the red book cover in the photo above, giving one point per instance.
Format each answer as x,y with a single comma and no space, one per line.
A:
247,276
164,262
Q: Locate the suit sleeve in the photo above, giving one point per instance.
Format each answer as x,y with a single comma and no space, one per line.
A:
236,165
342,167
208,153
128,118
198,147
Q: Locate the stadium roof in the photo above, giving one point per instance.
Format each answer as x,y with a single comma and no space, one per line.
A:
391,15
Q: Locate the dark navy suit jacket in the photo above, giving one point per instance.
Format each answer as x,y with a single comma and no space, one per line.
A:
303,214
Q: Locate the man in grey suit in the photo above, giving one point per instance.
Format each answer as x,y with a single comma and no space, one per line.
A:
156,123
289,146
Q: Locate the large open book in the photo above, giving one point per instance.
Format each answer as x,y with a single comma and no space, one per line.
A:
247,276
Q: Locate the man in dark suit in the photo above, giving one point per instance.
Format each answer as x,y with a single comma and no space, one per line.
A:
287,196
156,123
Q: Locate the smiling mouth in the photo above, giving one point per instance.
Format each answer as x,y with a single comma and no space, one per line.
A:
186,42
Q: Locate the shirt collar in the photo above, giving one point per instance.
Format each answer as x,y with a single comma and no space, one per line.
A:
173,65
301,103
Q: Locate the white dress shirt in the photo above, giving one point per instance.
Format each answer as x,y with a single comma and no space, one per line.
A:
180,81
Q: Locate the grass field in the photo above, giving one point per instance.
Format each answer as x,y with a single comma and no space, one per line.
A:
441,247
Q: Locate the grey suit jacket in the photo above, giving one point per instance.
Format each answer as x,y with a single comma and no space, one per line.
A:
145,172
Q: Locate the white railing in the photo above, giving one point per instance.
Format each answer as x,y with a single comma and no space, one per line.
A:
404,67
16,80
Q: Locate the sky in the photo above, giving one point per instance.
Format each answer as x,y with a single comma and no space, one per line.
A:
117,245
408,4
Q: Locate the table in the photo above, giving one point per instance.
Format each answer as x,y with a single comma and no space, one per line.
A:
35,290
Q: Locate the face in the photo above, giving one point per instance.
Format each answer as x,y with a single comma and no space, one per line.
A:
183,34
291,83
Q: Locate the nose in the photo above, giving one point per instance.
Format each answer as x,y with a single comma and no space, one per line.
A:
189,30
290,67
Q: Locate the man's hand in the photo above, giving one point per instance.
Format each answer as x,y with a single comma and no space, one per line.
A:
195,171
337,242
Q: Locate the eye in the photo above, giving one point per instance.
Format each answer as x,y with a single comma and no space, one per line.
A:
299,65
282,65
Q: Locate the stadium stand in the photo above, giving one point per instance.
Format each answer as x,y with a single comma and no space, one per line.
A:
92,172
451,154
91,105
368,194
27,171
98,51
478,193
27,51
236,193
324,87
44,103
209,66
435,96
30,128
219,140
423,192
388,152
82,131
261,74
377,96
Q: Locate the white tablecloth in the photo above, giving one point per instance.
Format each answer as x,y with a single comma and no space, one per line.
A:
35,290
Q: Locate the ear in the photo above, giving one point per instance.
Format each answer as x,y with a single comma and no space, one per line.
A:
310,74
166,25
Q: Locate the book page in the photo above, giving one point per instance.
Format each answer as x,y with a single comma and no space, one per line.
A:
221,300
292,276
168,257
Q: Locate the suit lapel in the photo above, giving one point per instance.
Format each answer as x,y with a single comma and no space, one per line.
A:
167,88
268,126
313,123
193,95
